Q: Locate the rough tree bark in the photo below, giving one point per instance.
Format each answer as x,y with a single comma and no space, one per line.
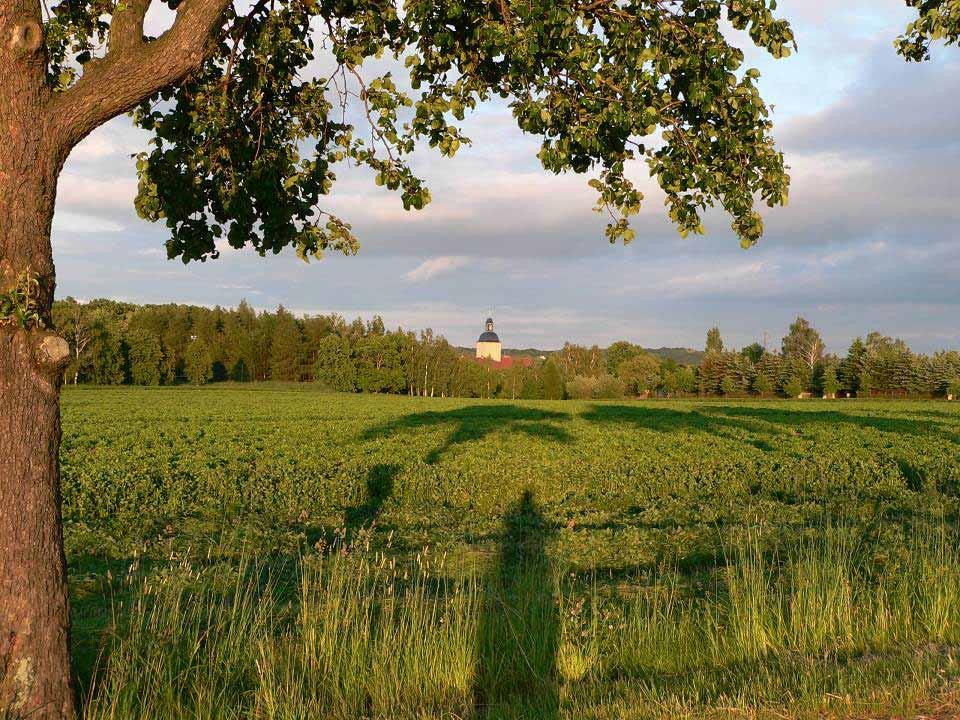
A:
34,615
38,128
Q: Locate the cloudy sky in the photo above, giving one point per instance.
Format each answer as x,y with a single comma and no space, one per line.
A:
869,240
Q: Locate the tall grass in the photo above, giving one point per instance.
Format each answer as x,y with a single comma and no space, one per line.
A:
818,624
814,620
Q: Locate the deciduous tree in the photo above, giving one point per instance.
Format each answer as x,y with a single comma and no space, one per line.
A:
198,362
640,374
617,353
937,20
803,344
334,365
246,144
714,341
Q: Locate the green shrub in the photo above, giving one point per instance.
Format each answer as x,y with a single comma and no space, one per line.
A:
609,388
794,387
762,385
729,387
551,380
581,388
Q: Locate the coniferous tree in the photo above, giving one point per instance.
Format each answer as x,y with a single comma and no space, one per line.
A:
794,386
762,385
831,384
767,373
286,347
852,366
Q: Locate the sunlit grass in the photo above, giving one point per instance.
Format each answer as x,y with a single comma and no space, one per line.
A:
819,626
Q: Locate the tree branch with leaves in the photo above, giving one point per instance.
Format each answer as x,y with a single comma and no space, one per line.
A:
254,113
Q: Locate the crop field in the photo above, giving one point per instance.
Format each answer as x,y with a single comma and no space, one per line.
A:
280,552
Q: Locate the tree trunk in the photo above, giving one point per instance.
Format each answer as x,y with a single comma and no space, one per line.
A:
35,679
37,130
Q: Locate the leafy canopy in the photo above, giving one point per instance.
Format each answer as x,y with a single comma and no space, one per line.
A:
248,147
937,20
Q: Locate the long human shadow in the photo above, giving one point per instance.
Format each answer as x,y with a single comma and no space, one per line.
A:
519,631
475,423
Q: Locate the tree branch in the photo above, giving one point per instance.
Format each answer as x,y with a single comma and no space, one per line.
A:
135,69
126,27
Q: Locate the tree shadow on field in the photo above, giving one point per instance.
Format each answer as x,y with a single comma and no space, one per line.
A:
806,418
364,513
766,424
519,631
698,419
475,423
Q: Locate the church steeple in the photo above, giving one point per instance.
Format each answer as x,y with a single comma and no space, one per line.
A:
488,344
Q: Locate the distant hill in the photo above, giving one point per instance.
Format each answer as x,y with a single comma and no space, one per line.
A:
681,356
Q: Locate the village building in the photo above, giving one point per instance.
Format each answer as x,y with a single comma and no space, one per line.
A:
490,350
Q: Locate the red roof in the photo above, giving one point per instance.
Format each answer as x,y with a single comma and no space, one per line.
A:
507,362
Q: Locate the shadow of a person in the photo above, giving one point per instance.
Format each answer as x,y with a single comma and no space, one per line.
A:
519,630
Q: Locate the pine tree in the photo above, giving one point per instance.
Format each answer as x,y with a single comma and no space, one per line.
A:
830,382
762,385
286,349
852,365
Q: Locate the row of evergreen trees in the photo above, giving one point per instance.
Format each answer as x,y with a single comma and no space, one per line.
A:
877,365
113,342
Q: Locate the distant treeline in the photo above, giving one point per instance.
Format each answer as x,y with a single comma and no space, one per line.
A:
114,343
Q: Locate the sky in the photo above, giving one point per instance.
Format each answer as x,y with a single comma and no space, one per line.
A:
869,240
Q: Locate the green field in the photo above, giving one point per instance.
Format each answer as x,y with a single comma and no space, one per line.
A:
281,552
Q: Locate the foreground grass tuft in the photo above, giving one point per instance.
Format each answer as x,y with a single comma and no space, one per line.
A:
812,628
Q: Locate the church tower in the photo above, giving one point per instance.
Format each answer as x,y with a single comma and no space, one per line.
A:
488,345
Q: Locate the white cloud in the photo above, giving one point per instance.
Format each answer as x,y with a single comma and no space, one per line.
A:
95,194
229,286
429,269
70,222
735,278
97,146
